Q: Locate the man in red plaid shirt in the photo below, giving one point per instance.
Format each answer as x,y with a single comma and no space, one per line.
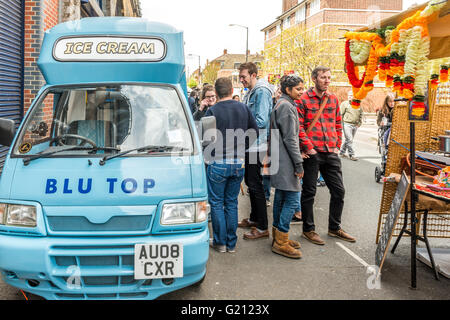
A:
320,148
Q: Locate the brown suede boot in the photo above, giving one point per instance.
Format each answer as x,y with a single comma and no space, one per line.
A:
293,243
281,246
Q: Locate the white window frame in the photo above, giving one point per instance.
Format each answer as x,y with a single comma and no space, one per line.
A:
314,7
300,14
278,29
286,23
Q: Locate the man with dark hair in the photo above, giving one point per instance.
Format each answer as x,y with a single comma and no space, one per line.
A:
259,100
320,140
193,100
225,169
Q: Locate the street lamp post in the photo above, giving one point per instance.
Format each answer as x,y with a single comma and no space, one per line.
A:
246,42
199,67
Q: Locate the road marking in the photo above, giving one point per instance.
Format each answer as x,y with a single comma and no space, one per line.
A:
354,255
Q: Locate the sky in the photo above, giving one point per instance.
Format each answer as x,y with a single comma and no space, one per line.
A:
205,24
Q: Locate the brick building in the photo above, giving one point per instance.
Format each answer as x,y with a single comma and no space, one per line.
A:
22,27
227,66
317,25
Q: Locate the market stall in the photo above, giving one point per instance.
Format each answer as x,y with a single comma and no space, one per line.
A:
409,52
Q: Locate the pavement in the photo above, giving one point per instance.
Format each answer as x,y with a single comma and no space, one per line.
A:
339,270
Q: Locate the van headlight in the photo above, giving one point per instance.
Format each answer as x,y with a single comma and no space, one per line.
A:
17,215
183,213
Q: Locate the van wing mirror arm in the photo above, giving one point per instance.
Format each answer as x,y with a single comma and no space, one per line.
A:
207,130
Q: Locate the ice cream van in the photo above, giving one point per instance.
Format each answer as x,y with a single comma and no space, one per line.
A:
103,193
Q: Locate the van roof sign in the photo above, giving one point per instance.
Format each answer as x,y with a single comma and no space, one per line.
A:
109,48
112,49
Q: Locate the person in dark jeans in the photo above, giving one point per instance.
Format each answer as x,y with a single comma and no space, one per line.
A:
320,146
259,100
225,160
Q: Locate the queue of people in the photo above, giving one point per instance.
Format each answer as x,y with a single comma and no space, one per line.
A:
291,137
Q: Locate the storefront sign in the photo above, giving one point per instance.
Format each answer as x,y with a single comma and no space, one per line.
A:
109,49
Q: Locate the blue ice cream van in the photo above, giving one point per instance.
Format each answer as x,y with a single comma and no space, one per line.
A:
103,193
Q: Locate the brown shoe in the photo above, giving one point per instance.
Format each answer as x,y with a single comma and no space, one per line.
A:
313,237
255,234
245,223
281,246
293,243
341,234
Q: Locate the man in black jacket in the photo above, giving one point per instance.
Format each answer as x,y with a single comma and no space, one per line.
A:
225,158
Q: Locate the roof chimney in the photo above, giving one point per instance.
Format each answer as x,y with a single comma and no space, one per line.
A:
225,51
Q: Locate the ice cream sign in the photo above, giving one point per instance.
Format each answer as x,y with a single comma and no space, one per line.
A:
101,48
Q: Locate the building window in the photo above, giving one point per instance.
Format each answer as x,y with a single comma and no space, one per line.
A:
286,23
300,14
314,7
278,29
266,35
236,65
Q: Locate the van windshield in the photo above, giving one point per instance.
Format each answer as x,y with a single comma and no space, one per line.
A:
108,118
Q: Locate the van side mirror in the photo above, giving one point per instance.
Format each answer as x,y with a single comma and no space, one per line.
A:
207,130
7,131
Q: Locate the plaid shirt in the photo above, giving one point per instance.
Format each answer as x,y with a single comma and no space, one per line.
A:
326,135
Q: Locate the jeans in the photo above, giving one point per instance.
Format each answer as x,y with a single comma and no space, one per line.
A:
266,184
285,204
349,133
298,208
254,181
329,165
224,181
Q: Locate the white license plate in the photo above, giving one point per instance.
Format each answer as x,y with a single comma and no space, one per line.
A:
158,260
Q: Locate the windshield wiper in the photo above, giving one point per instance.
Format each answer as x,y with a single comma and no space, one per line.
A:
149,148
26,161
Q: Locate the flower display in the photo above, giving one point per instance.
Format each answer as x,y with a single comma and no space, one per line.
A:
356,103
443,74
398,55
359,51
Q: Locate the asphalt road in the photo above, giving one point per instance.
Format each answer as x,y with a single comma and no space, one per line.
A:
337,270
324,272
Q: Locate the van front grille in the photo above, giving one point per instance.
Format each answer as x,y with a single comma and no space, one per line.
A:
72,224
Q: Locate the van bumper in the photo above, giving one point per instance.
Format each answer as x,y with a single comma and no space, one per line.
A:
47,266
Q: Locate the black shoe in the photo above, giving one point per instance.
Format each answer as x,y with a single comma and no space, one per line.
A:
295,220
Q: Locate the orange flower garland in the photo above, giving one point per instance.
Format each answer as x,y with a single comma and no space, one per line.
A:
392,64
443,74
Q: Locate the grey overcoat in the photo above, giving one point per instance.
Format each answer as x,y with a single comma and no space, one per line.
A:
285,156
